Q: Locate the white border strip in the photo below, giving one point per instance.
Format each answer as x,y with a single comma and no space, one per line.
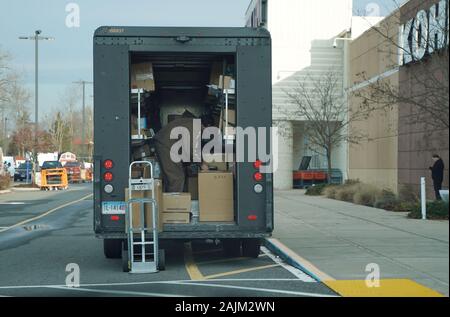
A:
373,79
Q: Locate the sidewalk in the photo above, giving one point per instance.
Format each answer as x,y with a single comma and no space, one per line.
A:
340,239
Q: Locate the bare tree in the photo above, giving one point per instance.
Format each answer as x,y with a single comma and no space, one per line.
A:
320,102
423,46
68,101
59,132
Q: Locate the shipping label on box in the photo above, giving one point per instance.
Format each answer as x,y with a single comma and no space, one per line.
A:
177,202
216,197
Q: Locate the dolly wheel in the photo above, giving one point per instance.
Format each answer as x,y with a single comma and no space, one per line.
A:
161,260
125,259
112,248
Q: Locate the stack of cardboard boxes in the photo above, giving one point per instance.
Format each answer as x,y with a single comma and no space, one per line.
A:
210,198
176,208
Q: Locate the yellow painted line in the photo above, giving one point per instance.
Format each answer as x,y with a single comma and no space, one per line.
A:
45,214
227,260
305,263
241,271
191,267
387,288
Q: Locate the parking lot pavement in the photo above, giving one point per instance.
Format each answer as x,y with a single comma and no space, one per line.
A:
345,244
35,256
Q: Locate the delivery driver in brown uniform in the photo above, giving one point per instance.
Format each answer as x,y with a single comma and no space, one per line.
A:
174,175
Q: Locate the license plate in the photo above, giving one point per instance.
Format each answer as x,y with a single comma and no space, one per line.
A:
114,207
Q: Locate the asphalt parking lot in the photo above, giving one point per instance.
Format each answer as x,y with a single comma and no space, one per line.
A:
39,238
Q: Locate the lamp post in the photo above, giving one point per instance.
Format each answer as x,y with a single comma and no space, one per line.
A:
36,38
83,126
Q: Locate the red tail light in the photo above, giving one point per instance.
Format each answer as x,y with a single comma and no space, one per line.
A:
252,217
115,218
108,164
258,176
257,164
108,176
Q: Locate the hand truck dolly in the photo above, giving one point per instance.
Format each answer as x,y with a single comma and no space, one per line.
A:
135,255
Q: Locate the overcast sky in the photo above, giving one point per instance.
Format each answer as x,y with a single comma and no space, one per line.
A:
69,57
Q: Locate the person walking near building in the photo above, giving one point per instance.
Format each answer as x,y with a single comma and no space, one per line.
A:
437,174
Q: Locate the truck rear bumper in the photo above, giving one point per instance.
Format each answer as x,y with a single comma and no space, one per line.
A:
191,235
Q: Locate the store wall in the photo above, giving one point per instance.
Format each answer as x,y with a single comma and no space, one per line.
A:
418,141
375,159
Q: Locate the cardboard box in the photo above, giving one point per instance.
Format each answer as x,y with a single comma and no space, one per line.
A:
177,202
226,82
176,218
216,160
216,196
193,187
148,210
142,76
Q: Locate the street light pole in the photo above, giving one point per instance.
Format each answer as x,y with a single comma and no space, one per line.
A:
83,126
36,39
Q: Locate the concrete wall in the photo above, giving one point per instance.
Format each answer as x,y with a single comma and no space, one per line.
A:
402,139
375,159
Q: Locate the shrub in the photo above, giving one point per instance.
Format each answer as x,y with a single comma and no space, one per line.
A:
316,190
437,209
387,200
366,195
352,182
407,193
346,192
330,191
5,182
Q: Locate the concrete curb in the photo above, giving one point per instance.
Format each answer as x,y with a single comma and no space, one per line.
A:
285,256
6,191
25,189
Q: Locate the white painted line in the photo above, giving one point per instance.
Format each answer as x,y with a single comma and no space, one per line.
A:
14,203
266,290
153,282
298,273
117,292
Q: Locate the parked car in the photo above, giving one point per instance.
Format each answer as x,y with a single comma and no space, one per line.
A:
51,165
21,172
73,171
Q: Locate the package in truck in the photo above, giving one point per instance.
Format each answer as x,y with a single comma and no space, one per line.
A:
142,76
177,202
216,200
